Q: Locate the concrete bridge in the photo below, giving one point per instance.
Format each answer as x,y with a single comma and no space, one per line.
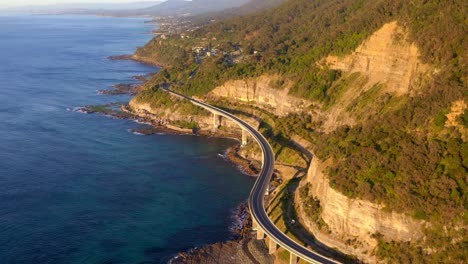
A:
261,222
217,118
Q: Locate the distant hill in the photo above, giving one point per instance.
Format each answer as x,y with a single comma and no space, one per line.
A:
182,7
257,5
154,8
82,7
249,7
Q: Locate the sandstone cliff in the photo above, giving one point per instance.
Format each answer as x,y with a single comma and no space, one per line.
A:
386,62
354,224
387,57
270,92
166,115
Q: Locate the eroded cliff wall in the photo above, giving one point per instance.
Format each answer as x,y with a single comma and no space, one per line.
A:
387,63
354,224
164,115
267,91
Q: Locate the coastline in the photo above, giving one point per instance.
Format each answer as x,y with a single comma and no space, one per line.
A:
231,154
241,243
242,248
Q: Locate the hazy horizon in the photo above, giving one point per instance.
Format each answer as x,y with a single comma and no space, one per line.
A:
20,3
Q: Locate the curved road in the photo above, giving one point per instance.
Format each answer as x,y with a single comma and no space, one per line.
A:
256,200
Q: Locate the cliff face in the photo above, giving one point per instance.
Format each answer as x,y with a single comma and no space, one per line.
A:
266,91
387,57
354,222
387,63
164,116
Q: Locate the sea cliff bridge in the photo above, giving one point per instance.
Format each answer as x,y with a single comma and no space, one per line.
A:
261,221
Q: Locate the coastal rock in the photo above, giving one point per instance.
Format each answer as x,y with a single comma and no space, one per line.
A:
243,248
121,88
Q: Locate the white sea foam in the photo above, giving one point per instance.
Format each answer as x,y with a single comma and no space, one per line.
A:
142,122
135,132
77,109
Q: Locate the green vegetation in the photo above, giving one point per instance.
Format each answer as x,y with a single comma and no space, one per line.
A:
463,119
399,153
450,244
277,208
112,109
186,124
398,168
440,118
158,99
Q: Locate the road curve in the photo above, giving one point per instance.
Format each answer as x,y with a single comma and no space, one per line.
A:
256,199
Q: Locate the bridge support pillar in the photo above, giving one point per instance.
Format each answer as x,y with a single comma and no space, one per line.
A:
244,137
293,259
256,227
272,246
260,234
216,121
254,224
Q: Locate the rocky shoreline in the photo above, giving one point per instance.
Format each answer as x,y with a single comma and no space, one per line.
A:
135,58
121,111
121,88
241,248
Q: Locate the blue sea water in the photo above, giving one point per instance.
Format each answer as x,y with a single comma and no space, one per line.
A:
78,188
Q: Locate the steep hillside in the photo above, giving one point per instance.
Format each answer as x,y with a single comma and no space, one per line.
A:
387,64
383,86
250,7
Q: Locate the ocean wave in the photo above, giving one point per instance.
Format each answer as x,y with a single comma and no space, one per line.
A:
77,109
141,122
135,132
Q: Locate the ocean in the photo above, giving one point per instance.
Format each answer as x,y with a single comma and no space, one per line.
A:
81,188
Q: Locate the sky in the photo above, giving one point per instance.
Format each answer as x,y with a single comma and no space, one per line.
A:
13,3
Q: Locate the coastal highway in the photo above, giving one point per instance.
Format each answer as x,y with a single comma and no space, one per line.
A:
256,199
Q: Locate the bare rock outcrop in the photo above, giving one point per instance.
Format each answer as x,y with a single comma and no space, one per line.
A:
270,92
387,59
